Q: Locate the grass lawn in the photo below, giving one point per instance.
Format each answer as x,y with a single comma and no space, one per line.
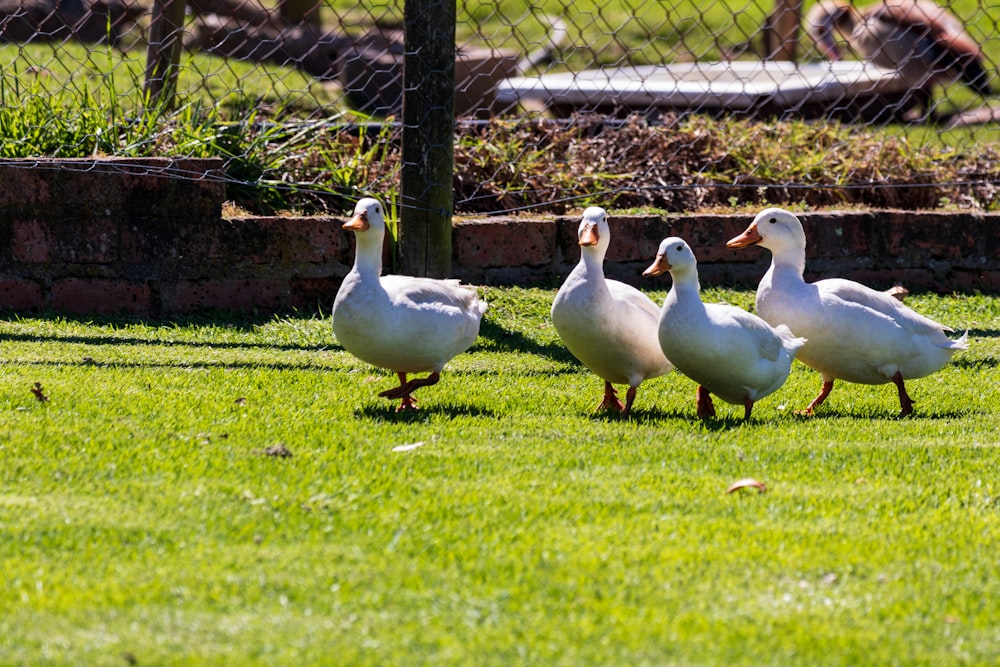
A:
143,521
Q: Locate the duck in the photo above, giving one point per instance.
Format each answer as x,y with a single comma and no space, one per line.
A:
609,326
921,41
855,333
729,352
405,324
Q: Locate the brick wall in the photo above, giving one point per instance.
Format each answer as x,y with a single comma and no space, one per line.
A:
937,251
128,236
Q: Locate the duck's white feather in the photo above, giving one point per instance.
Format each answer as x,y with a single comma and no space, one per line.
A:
855,333
732,353
403,323
609,326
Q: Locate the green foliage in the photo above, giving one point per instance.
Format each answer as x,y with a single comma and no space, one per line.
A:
142,519
290,143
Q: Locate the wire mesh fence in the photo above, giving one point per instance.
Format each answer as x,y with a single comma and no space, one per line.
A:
677,104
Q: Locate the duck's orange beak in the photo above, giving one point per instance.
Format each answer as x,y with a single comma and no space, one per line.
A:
659,266
748,237
589,235
358,223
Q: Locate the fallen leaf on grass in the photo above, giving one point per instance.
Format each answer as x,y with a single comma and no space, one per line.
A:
746,483
39,394
406,448
279,450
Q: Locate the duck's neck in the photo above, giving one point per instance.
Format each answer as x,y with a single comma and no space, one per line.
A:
686,290
588,274
368,256
592,262
787,266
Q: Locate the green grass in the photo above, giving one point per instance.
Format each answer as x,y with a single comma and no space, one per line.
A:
141,520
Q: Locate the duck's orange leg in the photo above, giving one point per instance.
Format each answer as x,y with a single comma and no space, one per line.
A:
747,407
629,398
705,407
816,402
406,388
905,402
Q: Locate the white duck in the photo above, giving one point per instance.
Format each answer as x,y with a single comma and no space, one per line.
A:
403,323
729,352
609,326
855,333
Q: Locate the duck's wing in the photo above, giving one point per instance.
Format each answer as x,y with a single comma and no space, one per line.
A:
633,298
432,293
849,292
762,336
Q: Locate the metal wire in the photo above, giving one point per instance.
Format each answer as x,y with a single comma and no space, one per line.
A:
307,107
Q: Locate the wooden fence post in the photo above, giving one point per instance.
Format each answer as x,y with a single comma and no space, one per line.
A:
426,189
781,30
163,56
296,12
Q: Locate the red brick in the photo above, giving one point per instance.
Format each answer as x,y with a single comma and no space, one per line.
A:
918,235
972,281
634,238
23,185
707,235
30,241
231,295
312,292
315,240
505,243
101,296
70,241
18,294
837,235
882,279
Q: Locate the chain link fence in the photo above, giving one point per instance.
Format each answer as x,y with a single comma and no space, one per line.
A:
677,104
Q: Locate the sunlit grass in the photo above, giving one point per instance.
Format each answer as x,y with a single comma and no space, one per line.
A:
142,519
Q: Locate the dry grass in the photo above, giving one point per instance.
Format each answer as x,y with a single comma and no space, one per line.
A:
697,163
690,163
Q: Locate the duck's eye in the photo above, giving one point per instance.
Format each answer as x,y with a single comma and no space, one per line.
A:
773,220
679,248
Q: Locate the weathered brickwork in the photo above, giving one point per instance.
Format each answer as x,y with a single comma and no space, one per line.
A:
123,236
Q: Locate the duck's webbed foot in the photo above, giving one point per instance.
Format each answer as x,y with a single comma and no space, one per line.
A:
611,400
407,387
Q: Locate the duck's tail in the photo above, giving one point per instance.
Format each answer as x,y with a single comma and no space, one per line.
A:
791,342
958,343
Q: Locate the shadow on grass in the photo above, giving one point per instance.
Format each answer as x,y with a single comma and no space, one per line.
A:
386,412
886,414
655,416
183,365
505,340
240,324
496,338
138,340
639,415
974,364
981,333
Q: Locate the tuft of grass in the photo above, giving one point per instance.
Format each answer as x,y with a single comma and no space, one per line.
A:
142,517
